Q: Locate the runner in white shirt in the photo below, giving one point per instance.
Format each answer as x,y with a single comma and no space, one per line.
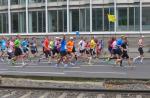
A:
140,49
82,45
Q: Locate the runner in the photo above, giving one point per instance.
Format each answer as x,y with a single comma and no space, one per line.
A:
124,48
92,46
47,48
33,47
3,48
63,52
18,52
71,54
140,49
10,50
82,46
24,45
110,42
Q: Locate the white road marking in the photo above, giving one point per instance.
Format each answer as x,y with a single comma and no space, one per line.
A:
27,95
81,95
95,65
45,95
123,73
138,96
47,67
100,95
118,96
3,69
8,95
63,95
28,72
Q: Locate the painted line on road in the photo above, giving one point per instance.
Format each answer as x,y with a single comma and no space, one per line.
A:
28,72
3,69
123,73
95,65
28,66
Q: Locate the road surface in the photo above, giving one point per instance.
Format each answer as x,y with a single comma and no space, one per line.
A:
101,69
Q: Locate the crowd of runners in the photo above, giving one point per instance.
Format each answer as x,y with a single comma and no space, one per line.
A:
66,50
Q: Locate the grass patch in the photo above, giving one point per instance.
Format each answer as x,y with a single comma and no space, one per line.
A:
79,79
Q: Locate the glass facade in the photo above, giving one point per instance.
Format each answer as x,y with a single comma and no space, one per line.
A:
18,22
17,2
3,22
37,21
3,2
51,16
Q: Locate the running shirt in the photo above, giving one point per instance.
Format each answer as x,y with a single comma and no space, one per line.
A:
52,45
17,43
63,45
70,45
46,45
140,43
10,46
92,44
24,43
82,45
114,45
124,46
3,44
110,43
119,42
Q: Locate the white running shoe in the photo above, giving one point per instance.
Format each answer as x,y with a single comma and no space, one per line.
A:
56,65
72,64
134,60
65,65
23,64
2,59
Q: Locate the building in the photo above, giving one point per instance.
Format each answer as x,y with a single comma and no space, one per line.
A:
66,16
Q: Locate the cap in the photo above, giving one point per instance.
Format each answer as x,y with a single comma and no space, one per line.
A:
142,36
57,37
71,37
122,35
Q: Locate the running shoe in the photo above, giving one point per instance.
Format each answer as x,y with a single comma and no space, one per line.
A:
65,65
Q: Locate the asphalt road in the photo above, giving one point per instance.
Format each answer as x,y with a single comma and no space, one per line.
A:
100,69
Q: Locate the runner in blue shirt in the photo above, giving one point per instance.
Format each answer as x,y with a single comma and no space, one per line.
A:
24,45
119,43
63,52
3,47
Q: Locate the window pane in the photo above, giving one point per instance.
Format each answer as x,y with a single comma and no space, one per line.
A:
131,18
52,21
111,26
137,18
34,21
18,22
60,20
52,0
14,23
65,20
36,1
146,18
87,19
82,20
4,2
122,19
106,22
14,2
41,21
22,22
75,20
97,19
5,22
